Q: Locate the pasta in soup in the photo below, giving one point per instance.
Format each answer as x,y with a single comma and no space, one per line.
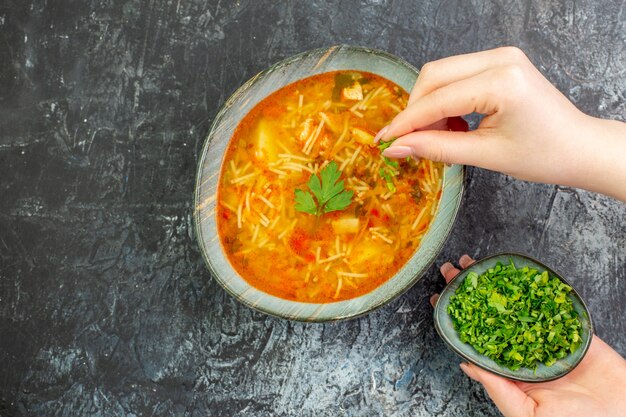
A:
308,208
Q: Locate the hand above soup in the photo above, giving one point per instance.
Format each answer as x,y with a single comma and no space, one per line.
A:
531,131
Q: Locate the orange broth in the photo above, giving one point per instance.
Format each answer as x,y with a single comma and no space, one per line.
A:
279,144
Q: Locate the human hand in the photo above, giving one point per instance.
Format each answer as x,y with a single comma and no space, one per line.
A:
595,387
531,131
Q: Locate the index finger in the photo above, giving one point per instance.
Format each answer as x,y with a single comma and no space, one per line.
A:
436,74
448,271
477,94
466,261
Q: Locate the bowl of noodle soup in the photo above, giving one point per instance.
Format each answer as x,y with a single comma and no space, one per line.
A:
297,213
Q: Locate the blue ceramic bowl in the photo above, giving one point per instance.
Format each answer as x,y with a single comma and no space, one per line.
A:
445,328
238,105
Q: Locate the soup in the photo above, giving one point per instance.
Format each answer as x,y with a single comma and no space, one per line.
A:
308,208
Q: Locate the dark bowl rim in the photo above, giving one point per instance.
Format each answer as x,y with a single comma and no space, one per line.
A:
204,152
453,347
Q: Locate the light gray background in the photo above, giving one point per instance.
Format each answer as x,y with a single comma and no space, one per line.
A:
106,308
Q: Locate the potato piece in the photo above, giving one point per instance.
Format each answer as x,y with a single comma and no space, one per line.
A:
363,136
265,148
354,92
230,199
371,250
346,225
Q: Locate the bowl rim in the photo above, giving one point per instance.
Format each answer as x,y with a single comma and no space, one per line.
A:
369,307
452,346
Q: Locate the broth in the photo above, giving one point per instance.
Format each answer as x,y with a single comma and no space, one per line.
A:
293,134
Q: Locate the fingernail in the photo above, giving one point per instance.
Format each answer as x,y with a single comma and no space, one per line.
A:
445,268
398,152
381,133
466,259
468,371
433,299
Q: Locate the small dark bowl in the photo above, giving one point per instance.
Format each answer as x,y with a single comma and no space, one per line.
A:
445,328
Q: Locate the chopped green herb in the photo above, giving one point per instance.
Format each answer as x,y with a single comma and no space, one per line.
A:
517,317
384,145
392,163
386,173
329,193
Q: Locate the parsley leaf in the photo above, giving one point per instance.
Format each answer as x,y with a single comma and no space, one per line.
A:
516,316
339,202
498,301
326,195
330,187
305,202
315,185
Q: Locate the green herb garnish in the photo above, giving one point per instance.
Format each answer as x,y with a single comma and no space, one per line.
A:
388,174
517,317
382,145
326,195
390,170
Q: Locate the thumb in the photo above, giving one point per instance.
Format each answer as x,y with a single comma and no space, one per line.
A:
508,397
468,148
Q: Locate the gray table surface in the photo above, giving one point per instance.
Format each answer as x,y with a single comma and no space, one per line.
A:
106,307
